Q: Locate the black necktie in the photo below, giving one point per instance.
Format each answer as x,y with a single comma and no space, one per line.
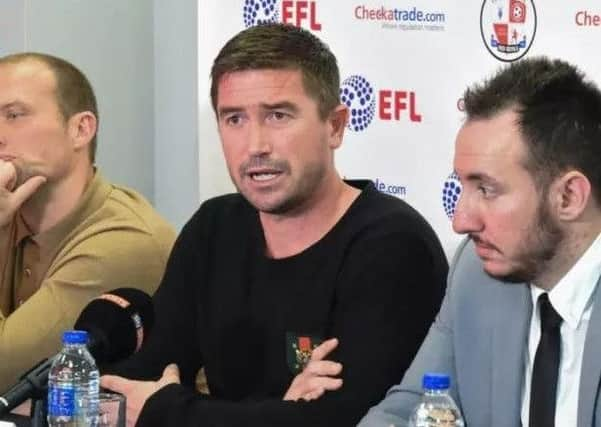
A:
546,366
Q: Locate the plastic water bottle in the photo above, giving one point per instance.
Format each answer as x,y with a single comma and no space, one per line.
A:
73,384
437,408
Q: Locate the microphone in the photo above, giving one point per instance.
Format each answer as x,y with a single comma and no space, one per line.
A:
117,323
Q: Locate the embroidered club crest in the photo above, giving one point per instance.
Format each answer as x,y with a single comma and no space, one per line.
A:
299,349
508,27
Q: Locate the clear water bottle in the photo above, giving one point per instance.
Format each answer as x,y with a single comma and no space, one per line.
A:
73,384
437,408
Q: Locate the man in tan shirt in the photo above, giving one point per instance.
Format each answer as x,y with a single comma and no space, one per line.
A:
66,235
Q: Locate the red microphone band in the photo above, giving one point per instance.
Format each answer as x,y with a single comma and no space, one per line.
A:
135,317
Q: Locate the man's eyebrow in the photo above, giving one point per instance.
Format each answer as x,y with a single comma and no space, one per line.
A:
284,105
11,104
222,111
481,177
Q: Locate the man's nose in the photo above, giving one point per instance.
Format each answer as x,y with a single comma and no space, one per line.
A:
259,142
466,218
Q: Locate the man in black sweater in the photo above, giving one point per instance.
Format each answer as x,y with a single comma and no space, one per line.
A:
298,266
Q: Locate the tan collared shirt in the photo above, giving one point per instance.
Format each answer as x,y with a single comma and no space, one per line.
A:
26,258
113,238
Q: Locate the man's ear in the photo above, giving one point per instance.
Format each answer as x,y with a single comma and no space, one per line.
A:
82,128
570,194
337,119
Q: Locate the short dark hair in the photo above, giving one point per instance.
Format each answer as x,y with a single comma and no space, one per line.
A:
559,116
74,92
282,46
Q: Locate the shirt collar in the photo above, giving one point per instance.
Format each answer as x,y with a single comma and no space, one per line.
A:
22,231
571,296
93,195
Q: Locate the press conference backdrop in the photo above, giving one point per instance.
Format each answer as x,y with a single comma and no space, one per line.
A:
404,66
11,26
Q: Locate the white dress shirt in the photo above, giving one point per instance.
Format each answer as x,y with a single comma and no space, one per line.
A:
571,298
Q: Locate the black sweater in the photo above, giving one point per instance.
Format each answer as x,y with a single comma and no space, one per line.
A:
375,282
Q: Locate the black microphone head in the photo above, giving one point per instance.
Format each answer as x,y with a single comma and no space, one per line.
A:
118,322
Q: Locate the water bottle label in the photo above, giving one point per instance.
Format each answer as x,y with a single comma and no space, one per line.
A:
61,401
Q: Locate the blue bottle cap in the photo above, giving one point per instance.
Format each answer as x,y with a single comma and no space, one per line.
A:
435,381
75,337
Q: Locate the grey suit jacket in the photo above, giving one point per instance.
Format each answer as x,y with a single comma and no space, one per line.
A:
479,338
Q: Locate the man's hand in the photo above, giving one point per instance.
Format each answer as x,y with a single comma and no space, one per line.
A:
23,409
318,375
137,392
12,198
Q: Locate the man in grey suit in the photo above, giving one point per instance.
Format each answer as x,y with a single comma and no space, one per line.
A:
516,330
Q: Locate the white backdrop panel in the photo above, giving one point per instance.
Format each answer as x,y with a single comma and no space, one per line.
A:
407,63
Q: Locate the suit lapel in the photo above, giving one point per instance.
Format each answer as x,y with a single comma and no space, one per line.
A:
512,311
591,365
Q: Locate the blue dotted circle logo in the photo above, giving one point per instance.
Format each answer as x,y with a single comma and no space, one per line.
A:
260,12
450,194
358,95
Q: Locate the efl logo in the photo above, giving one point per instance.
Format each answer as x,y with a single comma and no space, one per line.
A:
360,97
300,13
508,27
451,191
257,12
395,102
296,12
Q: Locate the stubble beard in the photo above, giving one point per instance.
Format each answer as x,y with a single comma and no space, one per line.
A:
543,240
292,199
